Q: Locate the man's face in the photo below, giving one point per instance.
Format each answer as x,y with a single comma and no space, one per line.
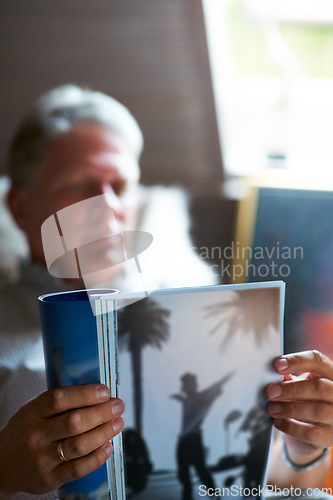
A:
86,162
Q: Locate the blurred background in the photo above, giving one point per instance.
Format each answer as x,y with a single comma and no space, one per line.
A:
235,101
152,56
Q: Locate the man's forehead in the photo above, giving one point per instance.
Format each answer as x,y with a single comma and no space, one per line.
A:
98,166
86,138
92,157
89,136
119,161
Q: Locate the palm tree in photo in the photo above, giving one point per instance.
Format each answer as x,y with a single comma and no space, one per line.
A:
141,324
248,311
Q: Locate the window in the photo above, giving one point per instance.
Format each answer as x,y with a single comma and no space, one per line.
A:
273,81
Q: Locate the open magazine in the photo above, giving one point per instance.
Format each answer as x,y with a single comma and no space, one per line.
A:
193,363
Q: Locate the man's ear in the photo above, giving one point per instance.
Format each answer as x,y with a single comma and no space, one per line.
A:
17,199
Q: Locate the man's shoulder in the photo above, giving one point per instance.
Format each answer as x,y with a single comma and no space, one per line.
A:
9,293
19,307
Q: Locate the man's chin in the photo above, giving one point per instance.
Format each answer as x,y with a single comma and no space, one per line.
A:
90,269
104,278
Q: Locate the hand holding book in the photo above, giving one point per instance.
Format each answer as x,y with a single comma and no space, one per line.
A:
302,408
79,421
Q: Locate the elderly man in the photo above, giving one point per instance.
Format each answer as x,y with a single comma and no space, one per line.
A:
79,145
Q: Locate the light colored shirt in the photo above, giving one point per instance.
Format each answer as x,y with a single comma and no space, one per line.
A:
22,368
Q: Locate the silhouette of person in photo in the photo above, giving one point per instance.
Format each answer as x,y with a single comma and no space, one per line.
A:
190,449
257,424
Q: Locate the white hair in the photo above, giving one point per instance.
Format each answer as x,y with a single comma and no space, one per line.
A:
58,111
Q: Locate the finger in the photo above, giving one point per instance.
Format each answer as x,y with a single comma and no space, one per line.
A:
309,433
306,361
317,389
88,442
318,412
63,399
76,469
82,420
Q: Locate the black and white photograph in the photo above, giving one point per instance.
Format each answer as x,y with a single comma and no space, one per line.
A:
194,388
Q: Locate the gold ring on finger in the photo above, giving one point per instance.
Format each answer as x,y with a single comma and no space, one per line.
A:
60,452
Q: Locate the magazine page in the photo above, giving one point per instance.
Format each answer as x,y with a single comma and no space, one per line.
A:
193,365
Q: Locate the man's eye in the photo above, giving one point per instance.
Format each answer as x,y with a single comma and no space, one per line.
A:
119,188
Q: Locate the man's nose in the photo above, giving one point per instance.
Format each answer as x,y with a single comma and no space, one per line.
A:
111,201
